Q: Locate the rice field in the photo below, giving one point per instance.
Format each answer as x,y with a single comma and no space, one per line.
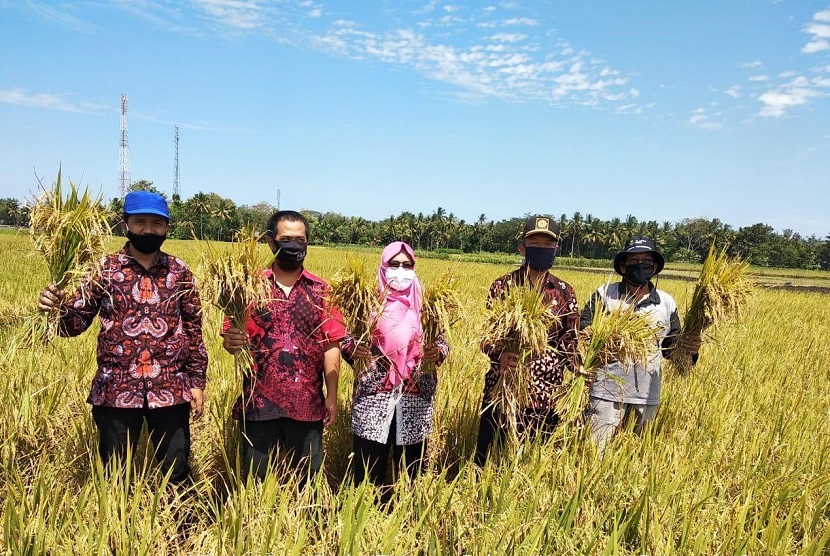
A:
738,461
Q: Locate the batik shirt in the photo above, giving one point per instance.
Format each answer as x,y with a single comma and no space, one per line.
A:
150,347
376,401
546,372
288,338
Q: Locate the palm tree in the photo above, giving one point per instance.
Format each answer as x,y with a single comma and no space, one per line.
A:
223,212
576,227
615,233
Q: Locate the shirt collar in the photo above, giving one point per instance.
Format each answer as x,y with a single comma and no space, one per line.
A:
653,297
161,260
520,274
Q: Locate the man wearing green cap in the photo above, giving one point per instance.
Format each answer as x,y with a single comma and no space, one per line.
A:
152,360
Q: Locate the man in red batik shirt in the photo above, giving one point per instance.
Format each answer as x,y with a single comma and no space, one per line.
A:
295,344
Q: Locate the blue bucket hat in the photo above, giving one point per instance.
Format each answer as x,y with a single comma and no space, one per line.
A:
146,202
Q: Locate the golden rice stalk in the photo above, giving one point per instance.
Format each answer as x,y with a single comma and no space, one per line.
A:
71,233
355,292
519,322
233,282
440,310
721,295
619,335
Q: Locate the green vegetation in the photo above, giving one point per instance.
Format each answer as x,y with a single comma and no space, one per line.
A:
585,239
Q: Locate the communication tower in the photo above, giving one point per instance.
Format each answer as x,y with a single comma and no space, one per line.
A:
123,151
177,188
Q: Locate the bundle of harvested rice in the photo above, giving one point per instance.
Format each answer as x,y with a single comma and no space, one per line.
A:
620,335
71,233
232,280
440,310
355,292
518,322
721,295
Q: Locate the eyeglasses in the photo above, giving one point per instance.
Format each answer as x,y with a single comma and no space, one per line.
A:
397,264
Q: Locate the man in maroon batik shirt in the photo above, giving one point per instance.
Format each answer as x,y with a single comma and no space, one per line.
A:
295,344
540,240
152,361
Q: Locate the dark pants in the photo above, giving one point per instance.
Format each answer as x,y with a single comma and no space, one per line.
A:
373,457
494,425
169,429
301,441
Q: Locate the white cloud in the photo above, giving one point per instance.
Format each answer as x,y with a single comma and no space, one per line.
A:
754,64
499,66
820,32
236,14
449,8
48,101
734,91
701,119
61,17
816,45
759,78
520,21
426,8
776,102
508,37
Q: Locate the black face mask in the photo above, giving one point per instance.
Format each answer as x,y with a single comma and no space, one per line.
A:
639,274
540,258
146,243
290,254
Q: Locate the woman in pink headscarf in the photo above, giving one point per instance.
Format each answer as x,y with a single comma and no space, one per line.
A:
393,400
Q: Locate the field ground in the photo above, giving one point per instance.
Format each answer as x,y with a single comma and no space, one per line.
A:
737,462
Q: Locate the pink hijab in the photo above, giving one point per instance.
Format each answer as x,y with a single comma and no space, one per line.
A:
398,333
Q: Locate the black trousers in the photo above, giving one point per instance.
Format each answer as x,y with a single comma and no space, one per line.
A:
372,457
301,441
169,429
493,427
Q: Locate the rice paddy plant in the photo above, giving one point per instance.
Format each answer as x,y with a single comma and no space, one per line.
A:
233,281
71,233
519,322
440,310
355,292
618,335
721,294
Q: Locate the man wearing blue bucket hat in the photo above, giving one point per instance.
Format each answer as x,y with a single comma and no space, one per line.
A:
621,390
152,360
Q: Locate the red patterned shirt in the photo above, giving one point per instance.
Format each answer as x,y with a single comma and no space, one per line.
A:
288,338
547,371
150,347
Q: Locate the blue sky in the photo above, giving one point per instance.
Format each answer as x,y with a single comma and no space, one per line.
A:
663,110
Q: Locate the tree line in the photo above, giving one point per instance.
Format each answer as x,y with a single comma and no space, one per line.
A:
211,216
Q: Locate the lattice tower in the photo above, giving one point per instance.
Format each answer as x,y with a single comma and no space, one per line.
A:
177,187
123,152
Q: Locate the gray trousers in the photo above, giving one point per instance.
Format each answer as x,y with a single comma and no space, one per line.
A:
605,417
